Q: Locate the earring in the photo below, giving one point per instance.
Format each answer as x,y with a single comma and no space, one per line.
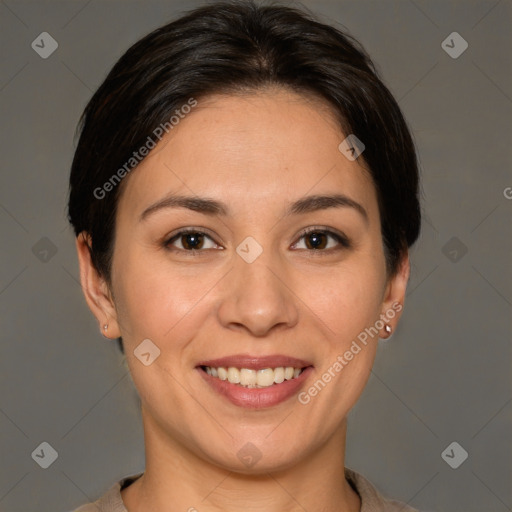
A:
388,330
105,327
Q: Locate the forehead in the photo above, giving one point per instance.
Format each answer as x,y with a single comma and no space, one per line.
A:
250,149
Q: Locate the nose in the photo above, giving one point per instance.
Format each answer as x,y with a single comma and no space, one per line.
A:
258,296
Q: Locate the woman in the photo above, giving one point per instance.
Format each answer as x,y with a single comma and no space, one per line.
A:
244,194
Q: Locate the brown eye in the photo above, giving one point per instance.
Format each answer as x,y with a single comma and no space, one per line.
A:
320,239
190,240
316,240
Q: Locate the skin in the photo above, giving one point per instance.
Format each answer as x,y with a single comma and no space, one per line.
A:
256,153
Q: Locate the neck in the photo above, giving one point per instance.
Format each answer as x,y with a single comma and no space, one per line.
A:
177,477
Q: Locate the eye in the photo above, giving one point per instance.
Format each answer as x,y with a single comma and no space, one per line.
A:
318,238
190,240
315,239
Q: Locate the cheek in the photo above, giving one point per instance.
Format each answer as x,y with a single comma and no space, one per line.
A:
154,301
349,305
347,300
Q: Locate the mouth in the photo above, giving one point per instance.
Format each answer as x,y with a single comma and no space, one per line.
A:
249,378
255,382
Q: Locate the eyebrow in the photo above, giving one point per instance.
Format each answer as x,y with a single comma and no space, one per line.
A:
216,208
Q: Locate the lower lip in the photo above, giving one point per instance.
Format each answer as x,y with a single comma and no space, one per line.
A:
257,398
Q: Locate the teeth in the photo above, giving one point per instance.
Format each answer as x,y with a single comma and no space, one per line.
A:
265,377
234,375
279,375
247,377
254,378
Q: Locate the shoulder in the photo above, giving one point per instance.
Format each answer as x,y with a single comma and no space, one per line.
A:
111,501
371,499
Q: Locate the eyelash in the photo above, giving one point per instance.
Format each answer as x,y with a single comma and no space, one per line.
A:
341,239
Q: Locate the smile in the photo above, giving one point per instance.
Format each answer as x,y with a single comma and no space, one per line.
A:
255,381
250,378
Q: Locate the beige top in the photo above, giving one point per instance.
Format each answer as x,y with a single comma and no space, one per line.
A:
371,499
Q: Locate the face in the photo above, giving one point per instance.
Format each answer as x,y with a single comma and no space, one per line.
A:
270,275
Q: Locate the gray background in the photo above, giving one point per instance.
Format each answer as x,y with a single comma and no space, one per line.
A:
444,376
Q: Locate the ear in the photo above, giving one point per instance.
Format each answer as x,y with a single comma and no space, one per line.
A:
96,290
394,294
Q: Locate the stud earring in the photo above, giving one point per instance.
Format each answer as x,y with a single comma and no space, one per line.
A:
105,327
388,330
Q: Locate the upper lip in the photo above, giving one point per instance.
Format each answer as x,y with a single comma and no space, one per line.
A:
255,362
